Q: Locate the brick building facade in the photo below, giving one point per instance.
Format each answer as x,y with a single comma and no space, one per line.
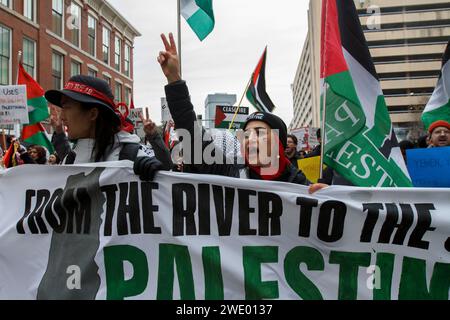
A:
61,38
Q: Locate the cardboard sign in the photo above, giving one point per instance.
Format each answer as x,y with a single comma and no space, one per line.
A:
429,168
310,168
165,112
138,124
13,105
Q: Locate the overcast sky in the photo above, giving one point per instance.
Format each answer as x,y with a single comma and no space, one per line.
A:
225,60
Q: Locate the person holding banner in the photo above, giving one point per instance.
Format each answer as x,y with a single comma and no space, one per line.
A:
265,134
92,120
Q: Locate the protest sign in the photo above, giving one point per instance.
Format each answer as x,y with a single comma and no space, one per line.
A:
429,168
135,117
13,105
165,112
311,168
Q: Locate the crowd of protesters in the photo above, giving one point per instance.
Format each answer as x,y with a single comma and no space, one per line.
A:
88,128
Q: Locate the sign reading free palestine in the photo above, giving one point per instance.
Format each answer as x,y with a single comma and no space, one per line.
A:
98,232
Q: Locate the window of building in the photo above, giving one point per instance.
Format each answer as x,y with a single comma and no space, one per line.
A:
5,55
117,53
92,73
57,17
57,70
107,79
92,34
118,92
75,68
29,9
29,56
5,2
75,11
127,96
127,60
106,44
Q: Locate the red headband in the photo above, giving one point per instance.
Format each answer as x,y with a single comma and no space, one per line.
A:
87,90
90,91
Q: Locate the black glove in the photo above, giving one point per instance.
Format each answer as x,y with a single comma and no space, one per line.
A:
146,167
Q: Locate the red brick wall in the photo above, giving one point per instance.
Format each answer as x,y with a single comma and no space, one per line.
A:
44,41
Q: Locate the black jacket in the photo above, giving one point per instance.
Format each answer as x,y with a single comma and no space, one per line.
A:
183,114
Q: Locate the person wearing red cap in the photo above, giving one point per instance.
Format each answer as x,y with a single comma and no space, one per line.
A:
94,125
439,134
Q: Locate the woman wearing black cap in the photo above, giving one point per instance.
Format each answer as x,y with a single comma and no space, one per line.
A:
93,123
265,133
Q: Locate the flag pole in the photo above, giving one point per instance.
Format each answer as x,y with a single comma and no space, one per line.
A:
19,60
4,140
324,102
322,130
179,35
239,105
17,127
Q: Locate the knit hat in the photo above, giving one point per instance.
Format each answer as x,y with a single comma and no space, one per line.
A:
437,124
273,122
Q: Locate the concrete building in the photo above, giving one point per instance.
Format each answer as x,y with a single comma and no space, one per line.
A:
306,86
61,38
407,39
213,100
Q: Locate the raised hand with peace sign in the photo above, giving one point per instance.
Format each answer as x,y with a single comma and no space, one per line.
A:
168,59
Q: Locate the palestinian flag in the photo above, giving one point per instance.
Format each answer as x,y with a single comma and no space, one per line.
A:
10,159
37,104
256,93
438,108
199,15
360,143
35,133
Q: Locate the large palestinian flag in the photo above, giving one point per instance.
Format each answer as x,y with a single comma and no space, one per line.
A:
438,108
256,93
360,142
35,133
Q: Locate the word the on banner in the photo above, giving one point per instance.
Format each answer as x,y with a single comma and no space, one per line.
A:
429,168
13,105
98,232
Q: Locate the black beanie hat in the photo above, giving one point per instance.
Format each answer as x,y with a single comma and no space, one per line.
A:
273,122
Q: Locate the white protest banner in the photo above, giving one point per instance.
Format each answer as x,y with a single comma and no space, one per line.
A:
85,232
13,105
